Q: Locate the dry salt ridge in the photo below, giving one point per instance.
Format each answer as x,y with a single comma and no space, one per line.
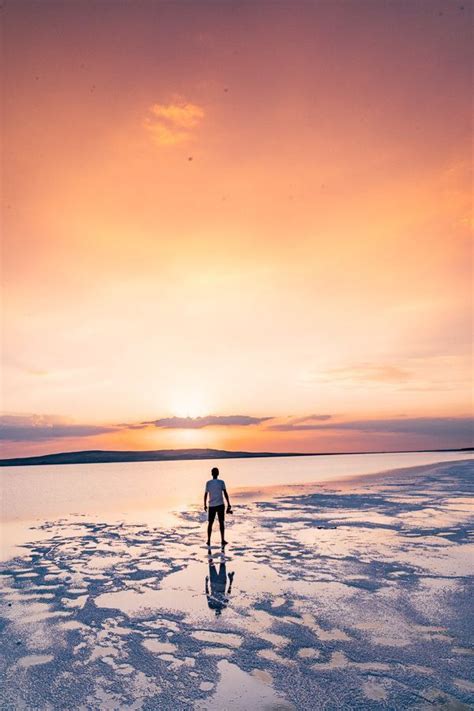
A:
343,596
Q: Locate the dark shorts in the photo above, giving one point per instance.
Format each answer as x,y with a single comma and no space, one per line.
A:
219,510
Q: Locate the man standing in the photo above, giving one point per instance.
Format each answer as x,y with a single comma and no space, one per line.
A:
215,488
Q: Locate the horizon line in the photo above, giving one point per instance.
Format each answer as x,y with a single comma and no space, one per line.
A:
187,454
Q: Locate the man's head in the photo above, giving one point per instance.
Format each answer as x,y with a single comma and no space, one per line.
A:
215,472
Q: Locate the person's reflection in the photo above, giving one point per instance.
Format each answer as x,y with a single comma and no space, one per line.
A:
216,583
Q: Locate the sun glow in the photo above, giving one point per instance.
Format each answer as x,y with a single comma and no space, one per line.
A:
189,438
190,404
230,244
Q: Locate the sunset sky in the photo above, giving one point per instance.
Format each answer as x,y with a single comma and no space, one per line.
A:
242,225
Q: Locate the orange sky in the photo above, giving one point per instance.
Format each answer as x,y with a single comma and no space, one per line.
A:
237,210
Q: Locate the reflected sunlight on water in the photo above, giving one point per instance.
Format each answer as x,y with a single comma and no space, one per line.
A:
46,491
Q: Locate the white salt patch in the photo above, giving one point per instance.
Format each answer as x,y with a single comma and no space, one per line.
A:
462,650
374,691
155,646
465,685
73,625
308,653
277,639
274,657
77,602
233,640
27,575
217,651
34,660
278,602
206,686
262,675
102,652
338,661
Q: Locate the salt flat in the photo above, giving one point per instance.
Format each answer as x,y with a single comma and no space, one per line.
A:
346,595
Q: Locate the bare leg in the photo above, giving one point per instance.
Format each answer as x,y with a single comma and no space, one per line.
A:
222,525
212,515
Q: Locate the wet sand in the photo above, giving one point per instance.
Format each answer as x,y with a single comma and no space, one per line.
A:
345,595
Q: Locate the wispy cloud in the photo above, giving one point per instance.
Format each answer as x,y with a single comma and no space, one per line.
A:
37,428
33,428
191,423
304,422
411,373
369,372
174,123
459,427
312,418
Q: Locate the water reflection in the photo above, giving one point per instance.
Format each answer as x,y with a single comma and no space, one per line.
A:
216,584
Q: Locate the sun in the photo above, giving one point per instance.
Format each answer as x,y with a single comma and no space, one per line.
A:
190,404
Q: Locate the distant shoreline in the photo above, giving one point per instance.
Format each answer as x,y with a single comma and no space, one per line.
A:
98,456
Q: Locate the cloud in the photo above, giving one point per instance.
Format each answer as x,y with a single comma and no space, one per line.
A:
187,423
35,428
369,372
31,428
171,124
310,418
139,426
460,427
305,422
414,373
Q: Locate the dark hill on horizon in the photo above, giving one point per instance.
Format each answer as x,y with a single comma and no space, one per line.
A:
99,456
103,456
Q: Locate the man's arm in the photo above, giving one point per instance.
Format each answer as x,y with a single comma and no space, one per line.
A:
205,500
227,498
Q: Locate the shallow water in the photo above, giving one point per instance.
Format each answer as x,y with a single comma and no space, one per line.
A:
51,491
153,492
336,597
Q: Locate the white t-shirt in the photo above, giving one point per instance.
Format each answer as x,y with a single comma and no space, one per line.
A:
215,487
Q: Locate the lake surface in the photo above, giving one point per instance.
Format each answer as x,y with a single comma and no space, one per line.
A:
351,594
45,492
